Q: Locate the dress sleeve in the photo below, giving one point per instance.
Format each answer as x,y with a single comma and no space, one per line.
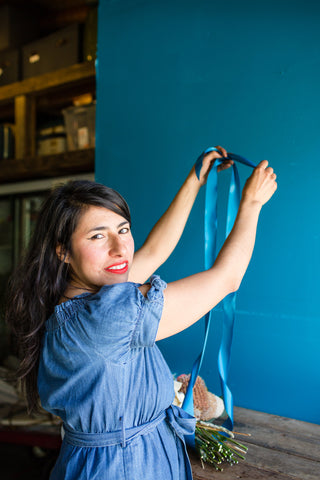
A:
146,328
119,319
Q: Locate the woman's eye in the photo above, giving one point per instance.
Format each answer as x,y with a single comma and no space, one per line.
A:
97,236
124,230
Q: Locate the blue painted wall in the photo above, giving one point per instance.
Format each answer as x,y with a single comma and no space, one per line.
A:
177,76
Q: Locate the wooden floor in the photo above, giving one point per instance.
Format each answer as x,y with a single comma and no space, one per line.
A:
279,448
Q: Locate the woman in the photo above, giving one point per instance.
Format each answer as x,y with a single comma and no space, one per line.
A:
87,323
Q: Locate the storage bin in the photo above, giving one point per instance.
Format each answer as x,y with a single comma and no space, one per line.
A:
51,145
9,66
51,140
58,50
80,126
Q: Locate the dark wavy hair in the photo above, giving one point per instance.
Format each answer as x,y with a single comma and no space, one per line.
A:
41,279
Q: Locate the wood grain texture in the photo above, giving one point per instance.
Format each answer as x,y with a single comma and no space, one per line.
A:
279,448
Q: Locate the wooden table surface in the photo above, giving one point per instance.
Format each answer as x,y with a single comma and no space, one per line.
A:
279,448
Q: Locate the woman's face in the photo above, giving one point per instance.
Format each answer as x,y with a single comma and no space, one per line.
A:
102,249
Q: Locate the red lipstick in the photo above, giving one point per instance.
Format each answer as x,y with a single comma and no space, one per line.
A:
118,268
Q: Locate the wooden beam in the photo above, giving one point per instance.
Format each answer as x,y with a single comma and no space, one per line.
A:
77,161
43,83
25,126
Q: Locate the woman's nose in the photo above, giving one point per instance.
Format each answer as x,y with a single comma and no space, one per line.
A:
117,247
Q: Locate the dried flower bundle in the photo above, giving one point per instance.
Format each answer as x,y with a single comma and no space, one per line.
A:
216,445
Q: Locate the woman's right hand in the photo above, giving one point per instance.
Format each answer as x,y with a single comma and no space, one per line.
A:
261,185
208,161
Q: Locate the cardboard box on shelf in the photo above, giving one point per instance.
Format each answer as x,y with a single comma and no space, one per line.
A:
58,50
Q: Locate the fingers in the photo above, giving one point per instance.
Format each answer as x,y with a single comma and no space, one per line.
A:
269,170
262,183
263,164
222,150
208,160
225,164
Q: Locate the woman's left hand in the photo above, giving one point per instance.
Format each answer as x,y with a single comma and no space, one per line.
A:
208,161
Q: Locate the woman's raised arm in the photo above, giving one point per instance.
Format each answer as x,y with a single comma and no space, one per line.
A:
166,233
187,300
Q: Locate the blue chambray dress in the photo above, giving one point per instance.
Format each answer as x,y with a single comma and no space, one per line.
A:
101,372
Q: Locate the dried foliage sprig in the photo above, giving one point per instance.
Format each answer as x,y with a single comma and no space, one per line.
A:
217,445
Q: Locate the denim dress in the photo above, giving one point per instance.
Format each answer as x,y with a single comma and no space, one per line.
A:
101,372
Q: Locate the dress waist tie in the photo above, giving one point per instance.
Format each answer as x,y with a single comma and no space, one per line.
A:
180,422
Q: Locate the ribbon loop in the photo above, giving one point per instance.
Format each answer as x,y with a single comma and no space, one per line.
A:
229,302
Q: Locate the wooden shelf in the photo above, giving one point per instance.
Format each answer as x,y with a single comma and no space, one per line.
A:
42,84
77,161
24,100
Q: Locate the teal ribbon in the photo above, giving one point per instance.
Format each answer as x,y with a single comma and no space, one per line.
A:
229,302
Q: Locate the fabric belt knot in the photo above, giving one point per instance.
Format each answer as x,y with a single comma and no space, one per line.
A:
180,421
183,425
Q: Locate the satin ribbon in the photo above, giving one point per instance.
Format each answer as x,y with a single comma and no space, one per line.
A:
229,302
